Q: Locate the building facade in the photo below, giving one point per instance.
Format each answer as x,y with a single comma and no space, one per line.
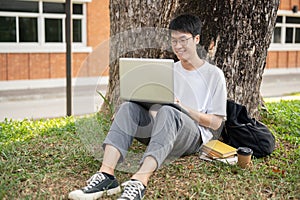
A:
32,39
284,51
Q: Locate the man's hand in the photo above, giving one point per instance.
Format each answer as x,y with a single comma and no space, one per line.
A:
208,120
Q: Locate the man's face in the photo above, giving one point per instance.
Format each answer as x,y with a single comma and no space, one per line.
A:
184,45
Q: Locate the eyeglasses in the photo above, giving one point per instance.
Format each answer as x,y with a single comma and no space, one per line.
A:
182,42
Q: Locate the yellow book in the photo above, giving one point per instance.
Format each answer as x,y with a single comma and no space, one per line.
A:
218,148
213,154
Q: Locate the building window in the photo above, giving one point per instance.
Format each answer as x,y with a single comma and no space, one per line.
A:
8,29
53,30
19,6
40,23
53,7
28,30
287,30
77,27
277,35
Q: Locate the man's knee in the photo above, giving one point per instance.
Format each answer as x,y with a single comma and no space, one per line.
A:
167,111
128,104
128,107
169,115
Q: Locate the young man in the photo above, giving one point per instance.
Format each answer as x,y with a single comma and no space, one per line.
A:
199,88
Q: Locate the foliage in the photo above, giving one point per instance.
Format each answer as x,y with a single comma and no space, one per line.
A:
45,159
19,131
109,105
284,118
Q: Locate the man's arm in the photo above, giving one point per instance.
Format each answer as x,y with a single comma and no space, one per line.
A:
207,120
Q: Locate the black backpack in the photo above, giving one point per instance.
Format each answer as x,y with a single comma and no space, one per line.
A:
242,131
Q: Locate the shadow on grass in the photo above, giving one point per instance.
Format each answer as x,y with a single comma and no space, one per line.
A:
47,159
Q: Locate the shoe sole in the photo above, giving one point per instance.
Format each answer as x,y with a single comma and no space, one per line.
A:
94,196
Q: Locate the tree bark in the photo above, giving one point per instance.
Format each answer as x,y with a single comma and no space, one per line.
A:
241,31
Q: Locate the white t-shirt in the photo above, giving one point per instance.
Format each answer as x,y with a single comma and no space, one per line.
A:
203,90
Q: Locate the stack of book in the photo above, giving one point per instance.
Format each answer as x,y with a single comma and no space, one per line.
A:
216,149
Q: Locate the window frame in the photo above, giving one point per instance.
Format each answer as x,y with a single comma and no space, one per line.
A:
283,46
41,46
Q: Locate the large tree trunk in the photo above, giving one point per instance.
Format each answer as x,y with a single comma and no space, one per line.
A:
241,31
137,29
243,47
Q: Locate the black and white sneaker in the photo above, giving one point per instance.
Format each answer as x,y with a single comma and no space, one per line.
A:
98,185
134,190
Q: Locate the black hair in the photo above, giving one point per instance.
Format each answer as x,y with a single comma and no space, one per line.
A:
186,23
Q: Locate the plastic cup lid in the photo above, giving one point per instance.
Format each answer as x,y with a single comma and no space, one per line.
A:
244,151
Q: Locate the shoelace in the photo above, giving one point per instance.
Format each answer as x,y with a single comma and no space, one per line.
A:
132,189
94,180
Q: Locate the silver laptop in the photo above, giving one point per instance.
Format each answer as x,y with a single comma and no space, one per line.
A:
147,80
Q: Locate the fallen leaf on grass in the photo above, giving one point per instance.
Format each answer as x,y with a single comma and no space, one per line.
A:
276,170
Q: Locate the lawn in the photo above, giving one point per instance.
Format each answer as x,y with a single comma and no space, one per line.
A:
45,159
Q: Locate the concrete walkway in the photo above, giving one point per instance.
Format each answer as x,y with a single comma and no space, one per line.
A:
47,98
36,99
278,83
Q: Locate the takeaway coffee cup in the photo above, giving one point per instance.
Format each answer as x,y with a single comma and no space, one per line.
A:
244,157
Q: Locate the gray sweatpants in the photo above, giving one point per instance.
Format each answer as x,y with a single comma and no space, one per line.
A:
169,134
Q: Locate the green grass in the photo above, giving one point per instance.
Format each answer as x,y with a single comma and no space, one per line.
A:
295,94
284,118
45,159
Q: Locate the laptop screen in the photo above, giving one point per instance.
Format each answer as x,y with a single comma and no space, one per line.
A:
147,80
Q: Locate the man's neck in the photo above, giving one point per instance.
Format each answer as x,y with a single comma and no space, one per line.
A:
191,65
